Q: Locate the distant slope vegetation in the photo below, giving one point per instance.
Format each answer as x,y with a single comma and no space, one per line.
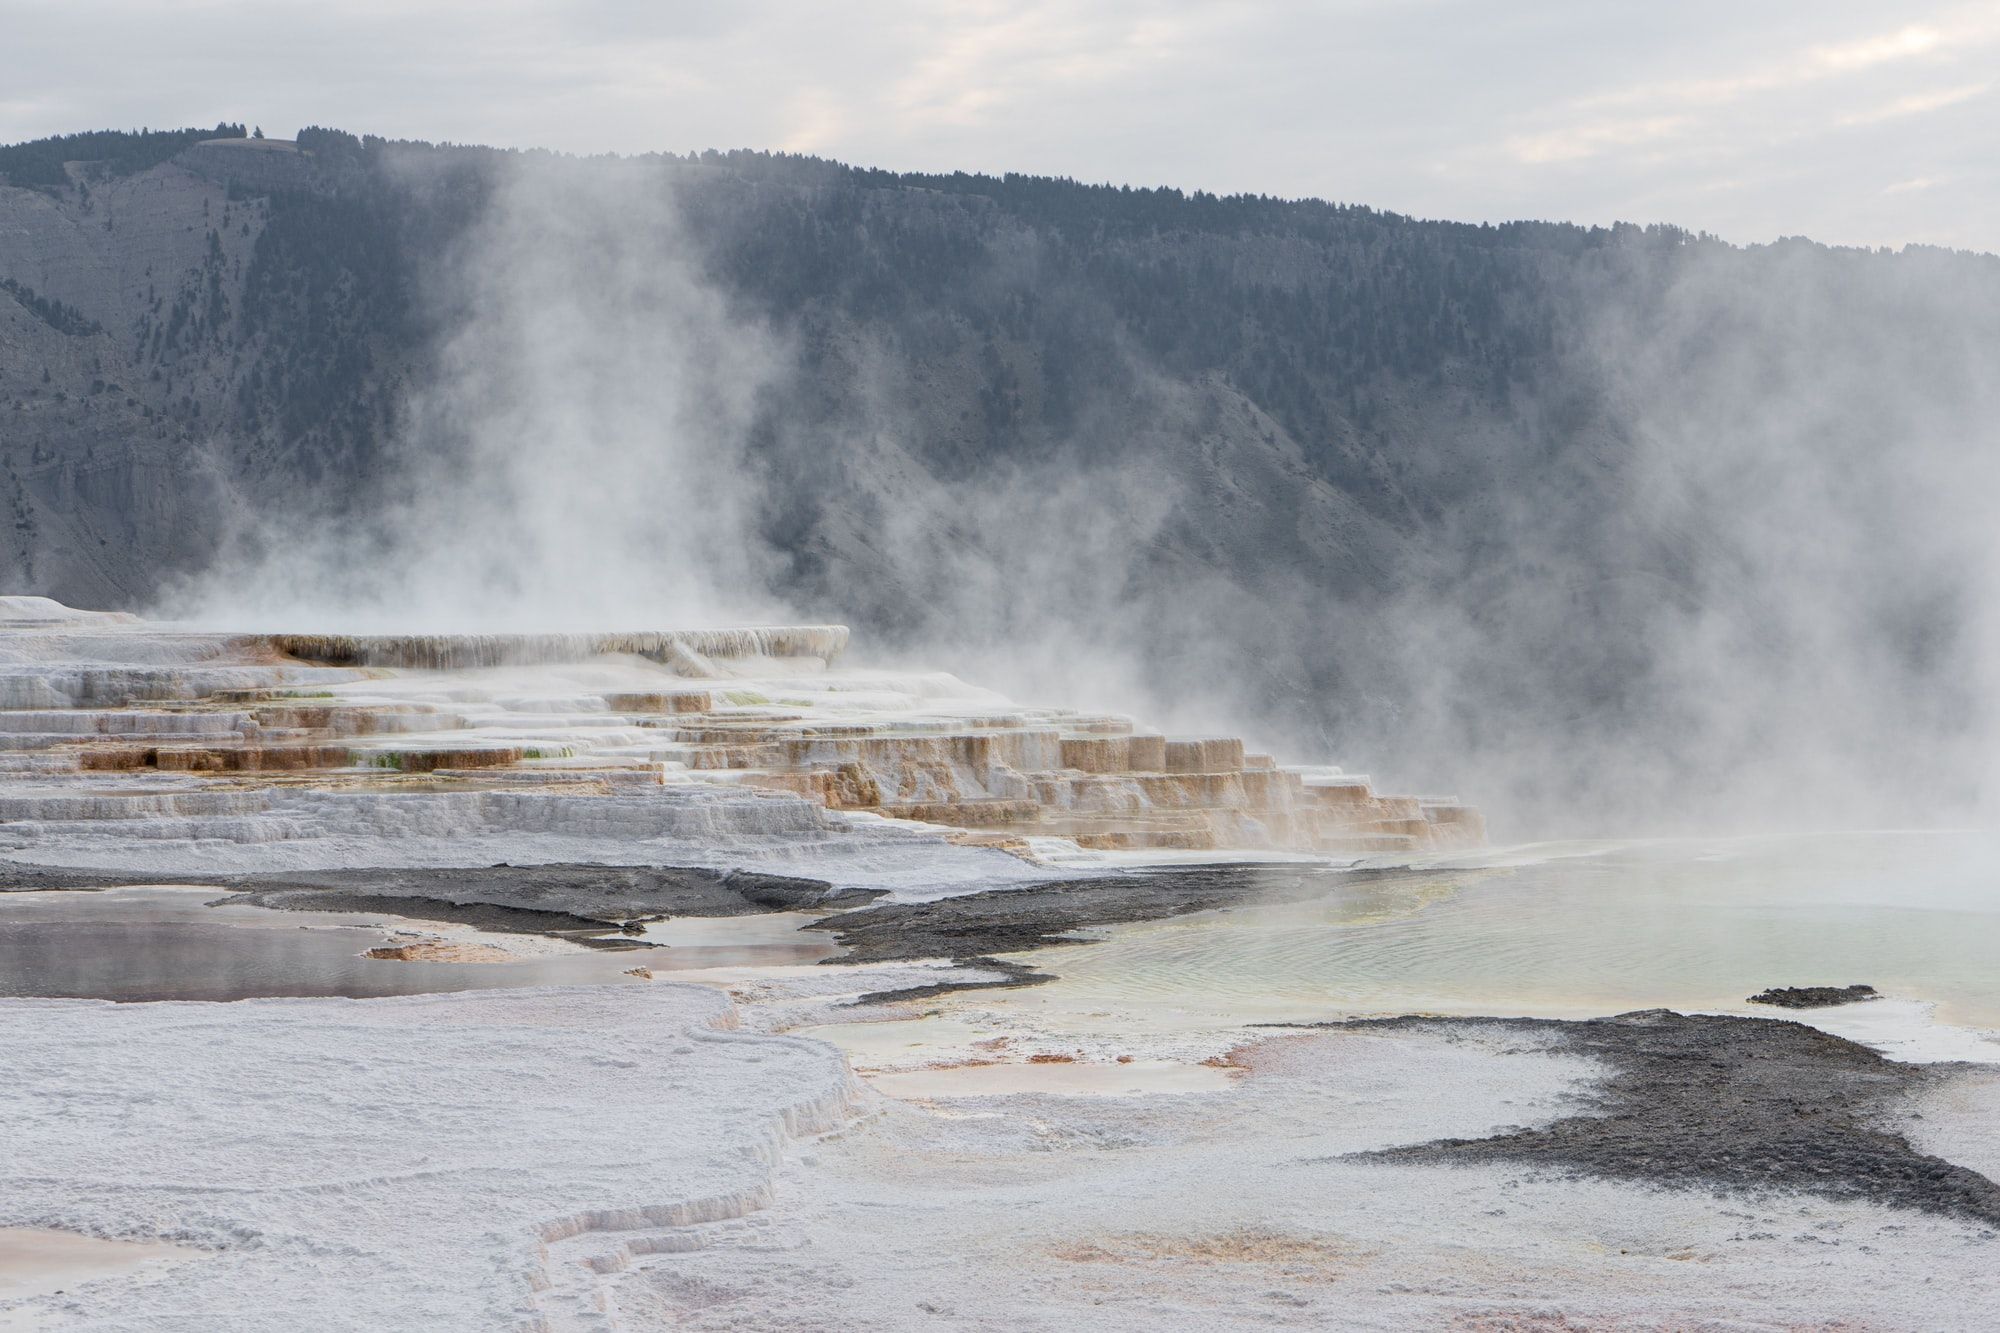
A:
1520,505
101,153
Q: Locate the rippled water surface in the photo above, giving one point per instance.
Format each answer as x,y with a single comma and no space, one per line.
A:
1595,929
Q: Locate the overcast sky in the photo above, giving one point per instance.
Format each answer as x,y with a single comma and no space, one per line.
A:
1856,123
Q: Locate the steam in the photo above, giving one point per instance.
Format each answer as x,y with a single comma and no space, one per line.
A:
1762,591
1765,593
576,457
1778,607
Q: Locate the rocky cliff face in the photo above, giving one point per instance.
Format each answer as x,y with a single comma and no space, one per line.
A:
107,419
132,437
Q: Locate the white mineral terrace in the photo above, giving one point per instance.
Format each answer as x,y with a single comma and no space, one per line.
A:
574,1144
116,732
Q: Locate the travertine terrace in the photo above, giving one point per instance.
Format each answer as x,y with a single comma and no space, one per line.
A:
117,727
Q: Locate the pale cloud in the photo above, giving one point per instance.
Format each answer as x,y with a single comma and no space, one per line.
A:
1961,32
815,119
1917,104
1751,121
1870,51
1575,142
981,58
1700,129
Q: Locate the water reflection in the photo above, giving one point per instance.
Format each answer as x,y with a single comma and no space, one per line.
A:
36,1261
166,943
766,939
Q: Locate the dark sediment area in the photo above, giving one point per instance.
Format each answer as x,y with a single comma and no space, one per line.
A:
1712,1102
538,899
1689,1101
572,899
1010,920
970,928
1813,997
592,896
966,976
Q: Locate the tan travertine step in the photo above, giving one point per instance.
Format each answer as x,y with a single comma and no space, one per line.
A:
371,715
689,651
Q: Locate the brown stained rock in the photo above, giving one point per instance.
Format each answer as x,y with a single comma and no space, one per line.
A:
430,761
250,758
1204,754
851,787
1140,840
674,702
1148,754
1097,754
441,951
105,759
1194,791
1012,844
968,814
1342,794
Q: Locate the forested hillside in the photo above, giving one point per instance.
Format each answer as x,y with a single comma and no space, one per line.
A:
1508,505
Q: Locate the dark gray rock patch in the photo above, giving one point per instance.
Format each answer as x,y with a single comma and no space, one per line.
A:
498,897
482,916
964,977
971,928
598,895
993,921
1813,997
1708,1102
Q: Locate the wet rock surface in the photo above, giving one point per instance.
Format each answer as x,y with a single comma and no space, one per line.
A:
1813,997
972,927
500,897
1707,1102
566,899
580,900
1015,919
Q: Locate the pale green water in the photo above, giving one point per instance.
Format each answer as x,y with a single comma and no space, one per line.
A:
1681,924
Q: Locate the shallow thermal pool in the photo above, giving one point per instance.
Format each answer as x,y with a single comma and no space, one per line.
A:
35,1261
1681,924
167,943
